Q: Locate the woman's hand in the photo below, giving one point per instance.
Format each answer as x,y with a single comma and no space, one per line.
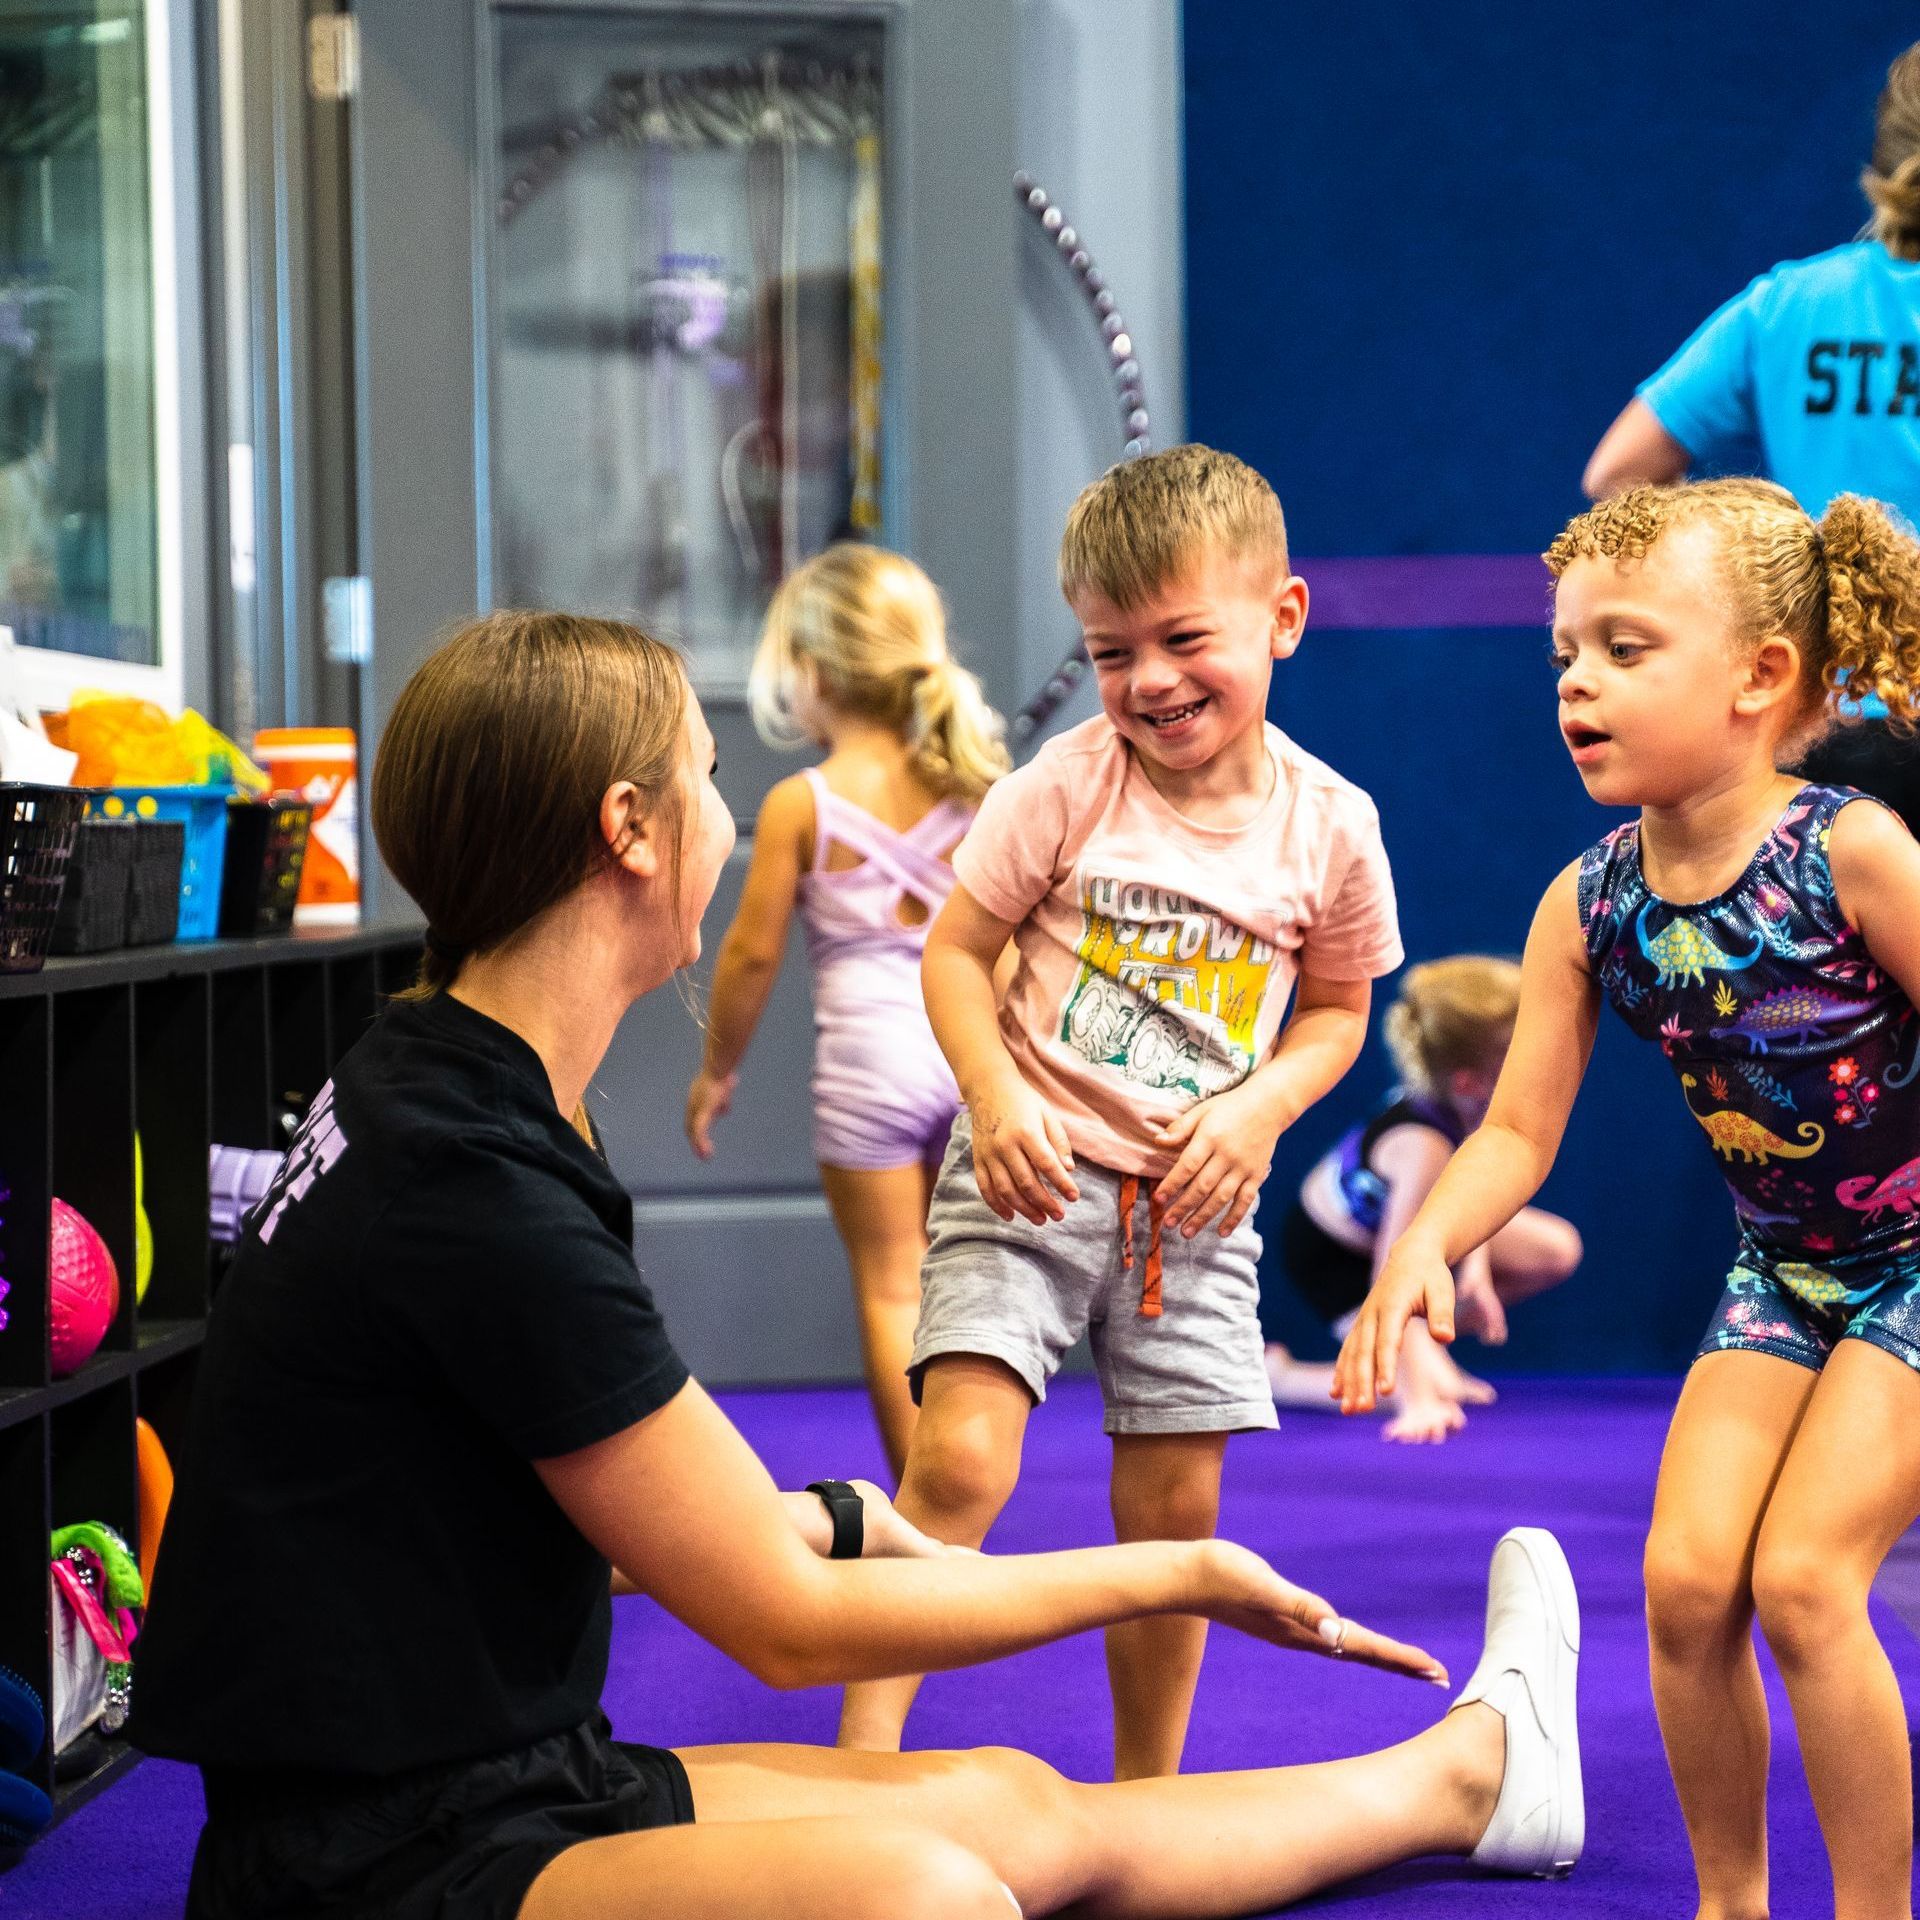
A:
710,1095
1415,1280
1252,1597
1021,1160
889,1536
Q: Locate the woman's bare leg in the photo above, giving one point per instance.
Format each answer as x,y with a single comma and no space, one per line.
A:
1850,1488
882,1218
1184,1848
1736,1419
961,1469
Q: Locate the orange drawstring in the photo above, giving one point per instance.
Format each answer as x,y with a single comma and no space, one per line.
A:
1156,1210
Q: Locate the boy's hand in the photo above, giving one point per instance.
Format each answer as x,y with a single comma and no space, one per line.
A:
1225,1146
1021,1159
710,1095
1415,1280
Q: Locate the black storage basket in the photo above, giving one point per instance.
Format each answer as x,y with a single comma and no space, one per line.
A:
93,906
153,888
37,826
266,853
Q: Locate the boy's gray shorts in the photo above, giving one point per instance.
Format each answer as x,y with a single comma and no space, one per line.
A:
1023,1295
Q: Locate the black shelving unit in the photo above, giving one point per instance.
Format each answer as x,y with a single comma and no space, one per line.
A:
226,1041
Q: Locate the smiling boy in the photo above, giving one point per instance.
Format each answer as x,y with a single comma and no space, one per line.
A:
1168,873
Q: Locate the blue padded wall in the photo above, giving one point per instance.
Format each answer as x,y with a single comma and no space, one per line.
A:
1430,251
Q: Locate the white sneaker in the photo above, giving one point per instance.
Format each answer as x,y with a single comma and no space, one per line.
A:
1527,1675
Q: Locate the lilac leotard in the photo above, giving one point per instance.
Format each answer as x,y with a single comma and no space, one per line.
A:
883,1094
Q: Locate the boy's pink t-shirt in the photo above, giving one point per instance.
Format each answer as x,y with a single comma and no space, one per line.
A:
1156,955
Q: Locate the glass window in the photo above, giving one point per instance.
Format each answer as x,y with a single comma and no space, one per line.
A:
77,506
686,394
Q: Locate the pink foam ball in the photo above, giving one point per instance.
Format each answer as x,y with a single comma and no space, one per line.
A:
83,1287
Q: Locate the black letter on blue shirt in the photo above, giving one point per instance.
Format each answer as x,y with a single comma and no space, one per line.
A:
1866,352
1908,387
1823,374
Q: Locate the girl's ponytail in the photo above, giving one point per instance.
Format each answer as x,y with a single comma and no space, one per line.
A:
1452,1014
1873,608
955,737
1892,180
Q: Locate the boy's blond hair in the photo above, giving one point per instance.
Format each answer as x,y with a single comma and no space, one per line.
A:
1143,523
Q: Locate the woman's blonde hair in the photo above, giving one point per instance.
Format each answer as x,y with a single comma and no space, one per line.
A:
488,782
1844,589
867,628
1892,179
1452,1014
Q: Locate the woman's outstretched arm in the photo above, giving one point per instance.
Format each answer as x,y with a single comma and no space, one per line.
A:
679,1502
751,953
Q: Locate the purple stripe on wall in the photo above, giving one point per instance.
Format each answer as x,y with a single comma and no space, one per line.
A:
1398,591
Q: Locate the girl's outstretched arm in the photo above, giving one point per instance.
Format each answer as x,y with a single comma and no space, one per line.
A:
751,953
1500,1166
1876,879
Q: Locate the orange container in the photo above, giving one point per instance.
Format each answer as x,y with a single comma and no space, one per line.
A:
320,764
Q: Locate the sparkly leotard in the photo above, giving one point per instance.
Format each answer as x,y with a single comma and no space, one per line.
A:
1799,1057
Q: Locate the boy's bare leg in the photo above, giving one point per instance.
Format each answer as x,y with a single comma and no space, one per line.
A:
961,1467
1166,1486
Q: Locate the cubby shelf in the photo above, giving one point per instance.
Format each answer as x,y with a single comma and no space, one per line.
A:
183,1046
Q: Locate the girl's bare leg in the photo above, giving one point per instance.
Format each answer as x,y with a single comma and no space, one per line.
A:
960,1471
1166,1486
810,1831
1736,1419
882,1219
1531,1254
1849,1489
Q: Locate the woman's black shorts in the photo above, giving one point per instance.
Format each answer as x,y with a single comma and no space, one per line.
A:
461,1842
1333,1280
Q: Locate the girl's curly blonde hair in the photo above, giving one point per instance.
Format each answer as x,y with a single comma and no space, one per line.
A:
1452,1014
1845,589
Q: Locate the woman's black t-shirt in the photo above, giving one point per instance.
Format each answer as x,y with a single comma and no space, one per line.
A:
361,1571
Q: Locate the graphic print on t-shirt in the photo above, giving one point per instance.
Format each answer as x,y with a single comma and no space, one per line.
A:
1168,992
317,1145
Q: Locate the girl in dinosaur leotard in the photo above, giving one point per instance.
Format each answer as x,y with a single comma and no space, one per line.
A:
1765,933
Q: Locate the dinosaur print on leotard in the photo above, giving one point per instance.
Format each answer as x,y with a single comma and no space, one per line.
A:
1789,1013
1682,952
1794,1050
1900,1190
1733,1133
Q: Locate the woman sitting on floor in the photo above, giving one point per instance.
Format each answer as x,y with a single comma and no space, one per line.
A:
437,1407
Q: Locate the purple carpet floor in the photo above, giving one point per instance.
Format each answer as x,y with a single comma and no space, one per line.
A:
1398,1537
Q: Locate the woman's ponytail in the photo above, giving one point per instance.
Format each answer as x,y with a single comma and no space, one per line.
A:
956,739
1892,181
1873,608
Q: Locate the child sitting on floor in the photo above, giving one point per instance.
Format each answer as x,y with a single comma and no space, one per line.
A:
1448,1033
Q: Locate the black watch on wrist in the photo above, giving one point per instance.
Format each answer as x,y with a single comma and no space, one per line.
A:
849,1518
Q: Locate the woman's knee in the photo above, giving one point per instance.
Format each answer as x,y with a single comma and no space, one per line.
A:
1697,1596
1805,1599
904,1870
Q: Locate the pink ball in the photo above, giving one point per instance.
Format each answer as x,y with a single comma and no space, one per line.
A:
84,1290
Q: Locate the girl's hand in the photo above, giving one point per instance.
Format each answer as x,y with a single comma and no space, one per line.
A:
887,1536
1021,1159
1251,1596
1415,1280
710,1095
1225,1146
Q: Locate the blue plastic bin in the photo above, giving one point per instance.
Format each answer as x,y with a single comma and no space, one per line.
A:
203,812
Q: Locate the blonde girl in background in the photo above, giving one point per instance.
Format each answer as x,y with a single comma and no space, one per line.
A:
1448,1033
1763,931
854,659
